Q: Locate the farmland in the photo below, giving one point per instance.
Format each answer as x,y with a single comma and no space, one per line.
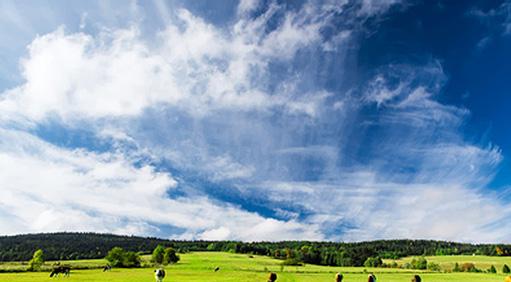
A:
199,266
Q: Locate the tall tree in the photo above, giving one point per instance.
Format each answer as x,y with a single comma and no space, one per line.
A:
170,256
37,260
158,254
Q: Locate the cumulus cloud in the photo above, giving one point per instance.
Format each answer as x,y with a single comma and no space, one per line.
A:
116,73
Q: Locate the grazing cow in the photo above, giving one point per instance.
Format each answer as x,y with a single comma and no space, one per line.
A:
64,270
273,277
159,274
371,278
217,268
107,268
508,279
416,278
338,277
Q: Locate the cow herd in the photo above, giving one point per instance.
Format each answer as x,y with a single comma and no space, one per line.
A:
338,278
159,274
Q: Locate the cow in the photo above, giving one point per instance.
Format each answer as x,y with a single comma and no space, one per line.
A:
64,270
159,274
338,277
272,277
371,278
217,268
107,268
416,278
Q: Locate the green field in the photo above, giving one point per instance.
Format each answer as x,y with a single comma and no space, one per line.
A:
447,262
199,266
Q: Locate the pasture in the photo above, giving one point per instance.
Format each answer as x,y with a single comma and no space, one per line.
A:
447,262
199,266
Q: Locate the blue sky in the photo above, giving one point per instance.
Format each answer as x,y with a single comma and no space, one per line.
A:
257,120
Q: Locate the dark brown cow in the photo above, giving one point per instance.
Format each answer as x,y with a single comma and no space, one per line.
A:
64,270
272,277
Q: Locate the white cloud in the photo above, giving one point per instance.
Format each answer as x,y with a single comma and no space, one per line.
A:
247,6
497,20
75,190
78,76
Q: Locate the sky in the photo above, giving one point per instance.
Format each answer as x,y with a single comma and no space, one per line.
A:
257,120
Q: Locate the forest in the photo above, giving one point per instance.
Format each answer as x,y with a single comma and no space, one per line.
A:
64,246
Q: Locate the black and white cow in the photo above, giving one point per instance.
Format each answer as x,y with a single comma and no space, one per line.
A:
159,274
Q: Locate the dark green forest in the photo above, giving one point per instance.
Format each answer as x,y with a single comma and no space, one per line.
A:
62,246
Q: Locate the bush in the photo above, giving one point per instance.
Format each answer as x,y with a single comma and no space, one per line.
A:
132,259
170,256
505,269
373,262
469,267
158,253
419,263
292,262
117,257
492,269
434,266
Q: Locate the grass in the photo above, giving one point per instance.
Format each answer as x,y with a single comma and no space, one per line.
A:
199,266
447,262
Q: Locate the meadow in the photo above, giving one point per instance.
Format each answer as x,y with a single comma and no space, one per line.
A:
199,266
447,262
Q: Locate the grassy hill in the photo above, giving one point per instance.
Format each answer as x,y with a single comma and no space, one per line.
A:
447,262
199,266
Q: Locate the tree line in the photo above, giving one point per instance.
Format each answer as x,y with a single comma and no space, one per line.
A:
63,246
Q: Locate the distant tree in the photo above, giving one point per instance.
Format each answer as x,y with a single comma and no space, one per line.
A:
233,247
170,256
419,263
131,259
115,256
373,262
158,253
289,253
505,269
37,260
212,247
492,269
